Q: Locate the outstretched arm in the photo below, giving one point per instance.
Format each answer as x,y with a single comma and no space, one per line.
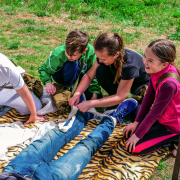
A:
122,91
26,96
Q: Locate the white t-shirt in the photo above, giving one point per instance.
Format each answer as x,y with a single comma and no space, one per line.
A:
10,74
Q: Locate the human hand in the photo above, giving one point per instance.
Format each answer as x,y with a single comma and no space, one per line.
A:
94,96
50,88
34,118
84,106
131,142
74,100
131,127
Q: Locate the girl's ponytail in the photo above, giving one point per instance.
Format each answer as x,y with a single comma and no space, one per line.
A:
119,61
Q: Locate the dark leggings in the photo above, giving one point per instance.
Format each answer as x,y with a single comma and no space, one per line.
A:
105,79
157,137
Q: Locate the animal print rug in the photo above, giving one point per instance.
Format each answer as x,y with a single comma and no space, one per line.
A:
111,162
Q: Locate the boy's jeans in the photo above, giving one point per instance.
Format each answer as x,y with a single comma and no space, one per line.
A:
35,160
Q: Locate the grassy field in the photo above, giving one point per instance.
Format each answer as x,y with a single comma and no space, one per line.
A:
31,29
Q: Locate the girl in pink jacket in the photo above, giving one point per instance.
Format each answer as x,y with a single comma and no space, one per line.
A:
157,124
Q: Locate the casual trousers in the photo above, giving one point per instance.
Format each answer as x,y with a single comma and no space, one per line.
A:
68,74
9,97
157,137
35,160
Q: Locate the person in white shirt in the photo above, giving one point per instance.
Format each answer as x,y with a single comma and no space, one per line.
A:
20,98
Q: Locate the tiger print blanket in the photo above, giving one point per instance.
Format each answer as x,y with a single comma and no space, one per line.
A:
111,162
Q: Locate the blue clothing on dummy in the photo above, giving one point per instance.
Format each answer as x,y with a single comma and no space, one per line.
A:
68,74
36,160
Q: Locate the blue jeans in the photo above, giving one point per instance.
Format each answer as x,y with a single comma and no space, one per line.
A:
35,160
68,74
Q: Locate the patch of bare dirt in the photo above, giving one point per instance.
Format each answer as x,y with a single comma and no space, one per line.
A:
140,44
50,41
21,51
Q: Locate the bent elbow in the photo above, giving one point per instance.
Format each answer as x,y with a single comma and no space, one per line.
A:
120,99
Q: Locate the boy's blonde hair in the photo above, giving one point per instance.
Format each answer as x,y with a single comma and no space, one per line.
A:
76,41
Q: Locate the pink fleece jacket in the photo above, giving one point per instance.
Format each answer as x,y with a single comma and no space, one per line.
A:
171,116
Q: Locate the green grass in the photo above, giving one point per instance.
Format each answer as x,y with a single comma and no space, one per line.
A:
28,41
161,15
174,36
13,45
161,167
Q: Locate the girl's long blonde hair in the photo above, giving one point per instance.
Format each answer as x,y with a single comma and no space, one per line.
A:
112,43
